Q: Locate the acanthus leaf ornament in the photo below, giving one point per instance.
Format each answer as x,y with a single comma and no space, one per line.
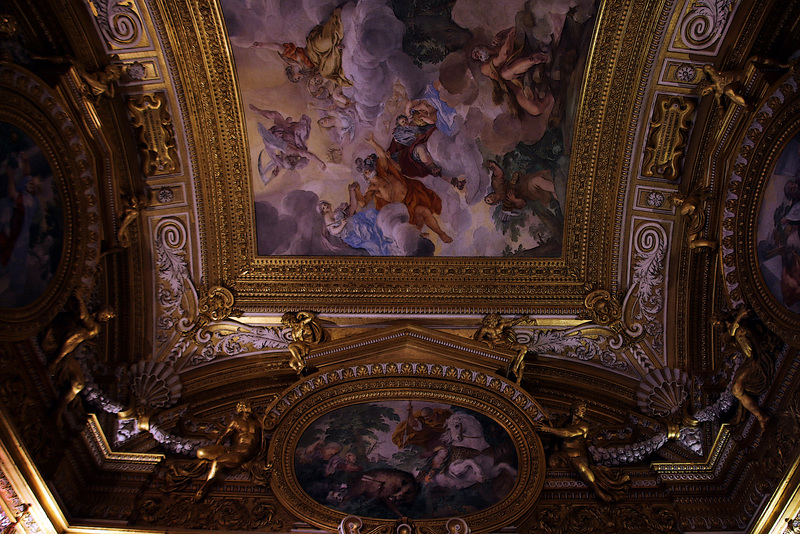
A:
173,273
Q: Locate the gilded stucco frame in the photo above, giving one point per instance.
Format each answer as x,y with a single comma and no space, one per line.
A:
42,112
203,58
775,123
504,402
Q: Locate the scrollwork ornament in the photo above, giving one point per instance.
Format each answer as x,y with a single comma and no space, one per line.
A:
215,305
119,22
704,23
156,134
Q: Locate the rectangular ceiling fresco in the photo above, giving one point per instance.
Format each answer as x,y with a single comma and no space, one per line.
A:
409,128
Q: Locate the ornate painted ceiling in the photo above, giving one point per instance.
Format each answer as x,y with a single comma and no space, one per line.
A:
389,265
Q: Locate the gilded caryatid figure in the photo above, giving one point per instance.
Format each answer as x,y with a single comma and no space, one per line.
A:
244,432
86,326
306,332
754,374
498,332
136,204
573,451
692,208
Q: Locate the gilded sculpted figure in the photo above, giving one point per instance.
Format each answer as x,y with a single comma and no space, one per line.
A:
730,83
692,207
101,82
498,332
724,83
245,439
573,451
88,326
129,215
306,331
754,374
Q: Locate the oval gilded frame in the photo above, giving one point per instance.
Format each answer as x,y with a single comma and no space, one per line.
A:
510,407
773,126
30,105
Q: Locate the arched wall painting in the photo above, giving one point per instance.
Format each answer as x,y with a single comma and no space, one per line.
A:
393,459
31,219
779,228
470,105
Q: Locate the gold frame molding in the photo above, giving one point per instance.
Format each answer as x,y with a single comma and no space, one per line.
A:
29,104
502,401
203,58
775,123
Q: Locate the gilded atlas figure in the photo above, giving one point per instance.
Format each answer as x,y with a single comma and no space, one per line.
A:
573,451
245,442
755,373
86,327
692,208
306,332
498,332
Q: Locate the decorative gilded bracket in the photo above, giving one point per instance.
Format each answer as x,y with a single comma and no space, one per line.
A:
216,304
606,312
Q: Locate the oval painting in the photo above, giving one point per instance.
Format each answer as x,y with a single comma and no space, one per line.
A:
779,228
30,219
415,459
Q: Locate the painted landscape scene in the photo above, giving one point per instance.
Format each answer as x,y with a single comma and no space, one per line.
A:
413,459
409,128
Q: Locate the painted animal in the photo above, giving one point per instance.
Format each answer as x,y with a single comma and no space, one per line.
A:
390,487
471,460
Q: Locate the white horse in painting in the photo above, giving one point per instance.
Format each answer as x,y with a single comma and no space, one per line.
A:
471,460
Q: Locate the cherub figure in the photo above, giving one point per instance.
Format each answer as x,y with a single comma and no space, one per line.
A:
306,331
754,374
573,451
245,440
692,207
88,327
498,332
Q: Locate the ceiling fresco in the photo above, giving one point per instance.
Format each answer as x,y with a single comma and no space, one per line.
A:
399,267
409,129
